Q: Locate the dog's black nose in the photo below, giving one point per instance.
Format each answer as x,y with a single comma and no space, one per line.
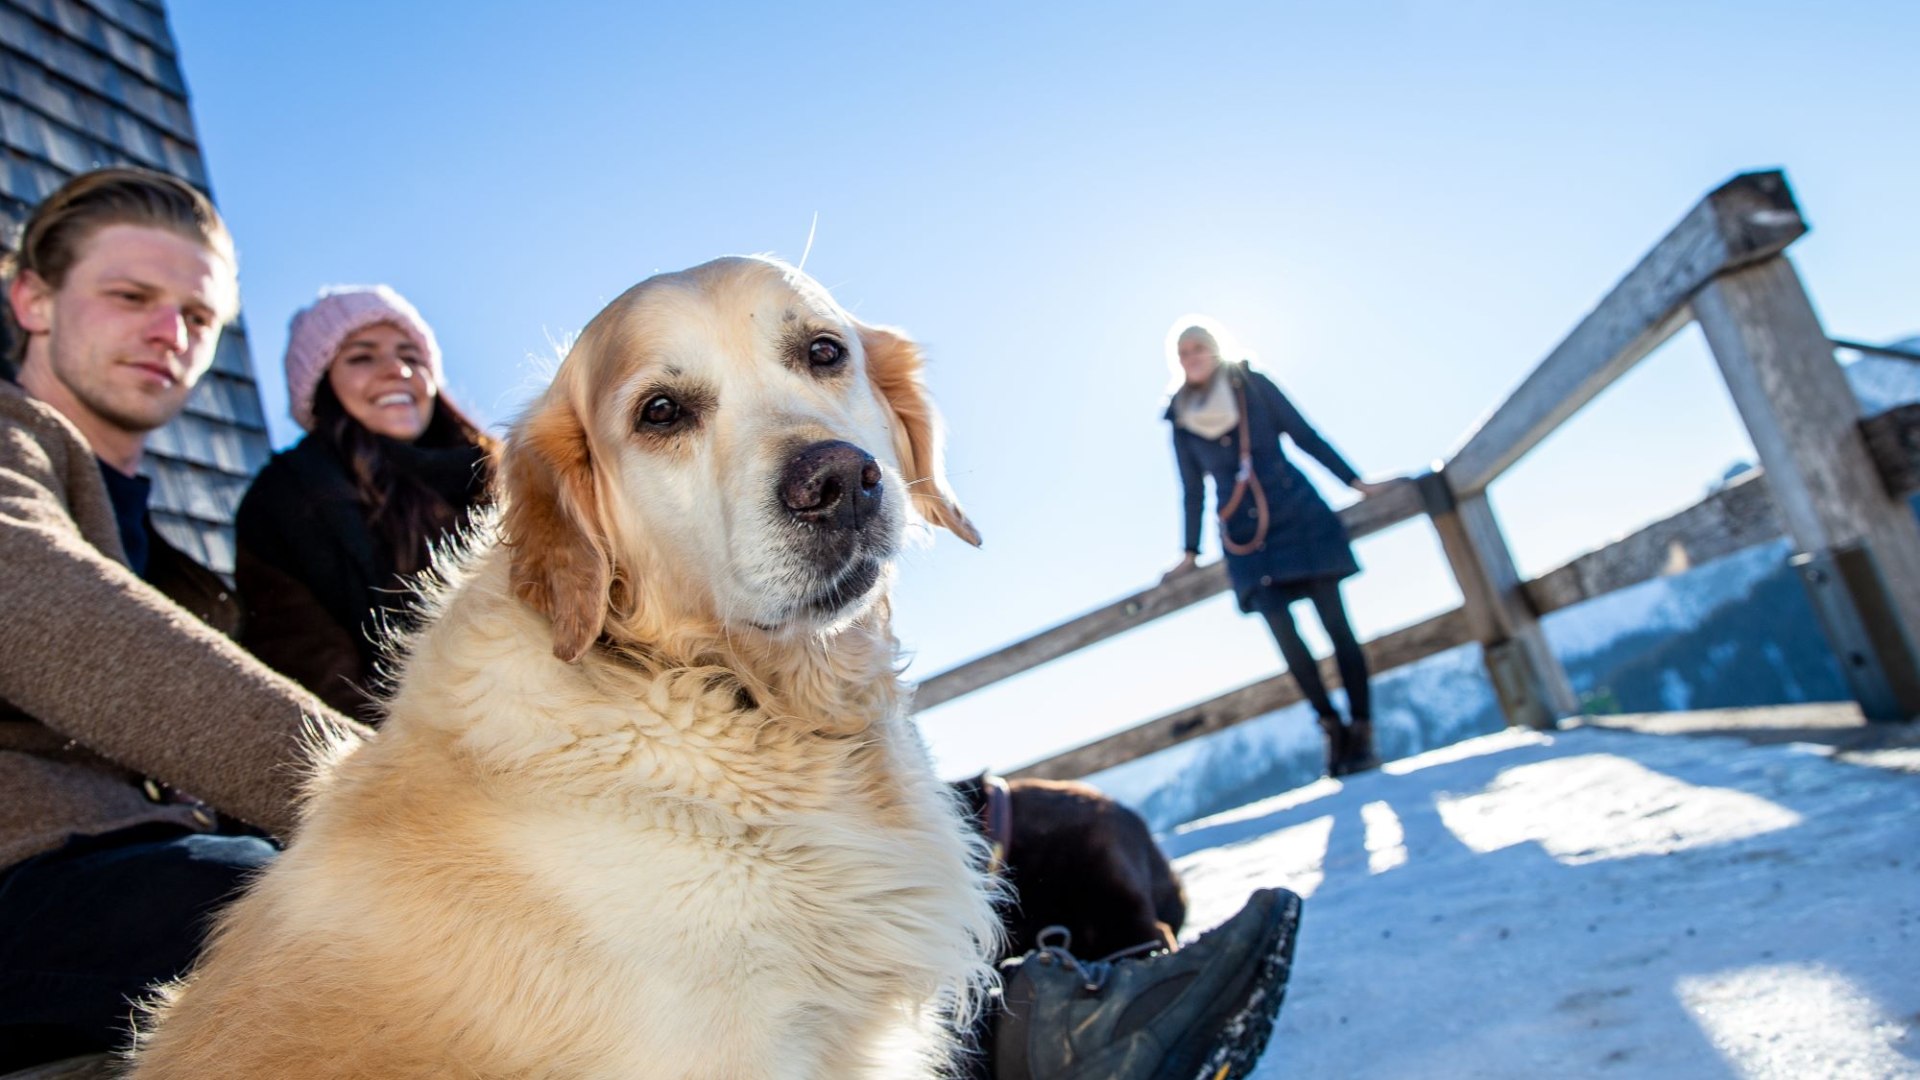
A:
832,483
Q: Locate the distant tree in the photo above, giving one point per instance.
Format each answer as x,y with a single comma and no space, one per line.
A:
1600,701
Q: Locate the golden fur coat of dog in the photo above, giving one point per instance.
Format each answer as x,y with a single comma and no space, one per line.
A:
647,802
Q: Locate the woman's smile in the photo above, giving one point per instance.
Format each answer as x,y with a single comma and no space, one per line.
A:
380,376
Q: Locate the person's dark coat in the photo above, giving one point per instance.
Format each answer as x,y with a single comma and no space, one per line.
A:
318,583
1305,539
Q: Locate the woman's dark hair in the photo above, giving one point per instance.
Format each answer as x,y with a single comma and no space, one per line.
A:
403,511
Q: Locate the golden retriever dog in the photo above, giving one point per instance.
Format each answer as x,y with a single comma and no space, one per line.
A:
647,802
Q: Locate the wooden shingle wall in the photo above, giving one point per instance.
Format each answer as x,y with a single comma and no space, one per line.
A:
85,83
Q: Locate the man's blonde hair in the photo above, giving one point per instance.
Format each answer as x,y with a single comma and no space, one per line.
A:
51,239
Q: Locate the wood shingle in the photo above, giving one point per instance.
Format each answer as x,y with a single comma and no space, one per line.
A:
86,83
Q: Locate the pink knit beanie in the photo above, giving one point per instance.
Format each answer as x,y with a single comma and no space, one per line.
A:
318,330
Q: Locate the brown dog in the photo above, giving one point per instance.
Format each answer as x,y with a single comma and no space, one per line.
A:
1077,859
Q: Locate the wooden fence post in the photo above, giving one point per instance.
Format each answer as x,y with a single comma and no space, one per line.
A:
1858,548
1749,218
1531,685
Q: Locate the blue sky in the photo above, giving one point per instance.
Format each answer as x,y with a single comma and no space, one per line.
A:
1398,206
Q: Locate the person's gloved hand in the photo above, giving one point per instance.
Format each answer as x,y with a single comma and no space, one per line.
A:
1185,565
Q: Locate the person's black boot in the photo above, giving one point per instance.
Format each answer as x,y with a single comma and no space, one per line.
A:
1336,735
1202,1013
1360,755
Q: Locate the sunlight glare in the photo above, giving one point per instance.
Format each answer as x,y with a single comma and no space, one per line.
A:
1595,807
1232,349
1797,1020
1386,840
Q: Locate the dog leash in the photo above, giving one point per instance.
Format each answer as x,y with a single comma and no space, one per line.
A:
1244,481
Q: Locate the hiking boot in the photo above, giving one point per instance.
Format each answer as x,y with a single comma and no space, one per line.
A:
1336,745
1360,755
1202,1013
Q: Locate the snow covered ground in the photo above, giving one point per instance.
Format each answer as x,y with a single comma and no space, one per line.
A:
1590,903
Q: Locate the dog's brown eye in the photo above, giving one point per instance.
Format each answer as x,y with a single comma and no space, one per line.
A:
661,411
825,353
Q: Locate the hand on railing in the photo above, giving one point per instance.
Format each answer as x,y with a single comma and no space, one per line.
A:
1375,487
1186,565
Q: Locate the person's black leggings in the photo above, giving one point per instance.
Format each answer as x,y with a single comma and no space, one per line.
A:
1325,594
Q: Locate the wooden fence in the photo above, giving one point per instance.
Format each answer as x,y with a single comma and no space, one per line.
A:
1832,483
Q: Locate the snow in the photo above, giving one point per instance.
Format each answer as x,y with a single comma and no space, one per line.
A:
1439,700
1882,382
1447,697
1589,902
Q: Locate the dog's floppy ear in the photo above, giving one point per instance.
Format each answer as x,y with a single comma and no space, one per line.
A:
561,563
893,366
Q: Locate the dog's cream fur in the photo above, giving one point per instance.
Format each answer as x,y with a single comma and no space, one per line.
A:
638,810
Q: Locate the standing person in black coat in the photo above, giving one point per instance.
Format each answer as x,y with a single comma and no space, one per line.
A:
1283,542
331,530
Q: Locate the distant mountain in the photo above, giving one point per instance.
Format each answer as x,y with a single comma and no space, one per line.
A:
1660,607
1763,648
1737,631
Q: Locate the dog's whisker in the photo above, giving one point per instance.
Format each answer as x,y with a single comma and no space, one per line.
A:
808,250
929,479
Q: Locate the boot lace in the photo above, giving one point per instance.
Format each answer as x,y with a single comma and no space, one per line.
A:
1057,941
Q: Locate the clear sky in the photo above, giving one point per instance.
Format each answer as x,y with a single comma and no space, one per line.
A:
1399,207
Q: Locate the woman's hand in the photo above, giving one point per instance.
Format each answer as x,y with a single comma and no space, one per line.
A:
1370,489
1184,566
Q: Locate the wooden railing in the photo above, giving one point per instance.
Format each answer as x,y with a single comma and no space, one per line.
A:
1876,350
1834,485
1361,519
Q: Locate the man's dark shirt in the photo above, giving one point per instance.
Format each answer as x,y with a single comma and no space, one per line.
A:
129,496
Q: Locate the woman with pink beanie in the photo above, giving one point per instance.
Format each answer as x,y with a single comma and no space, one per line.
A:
331,530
